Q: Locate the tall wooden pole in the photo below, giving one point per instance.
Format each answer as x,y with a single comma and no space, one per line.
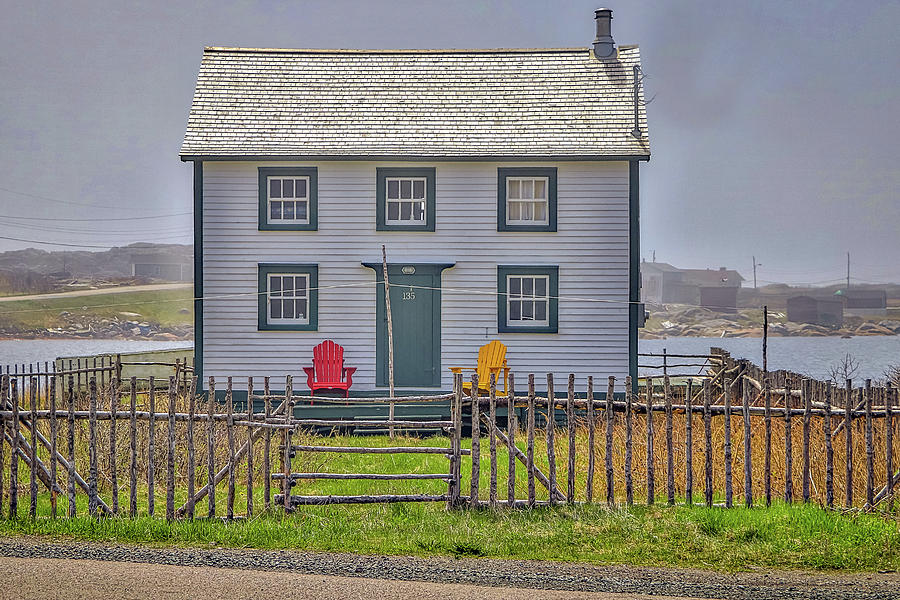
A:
390,332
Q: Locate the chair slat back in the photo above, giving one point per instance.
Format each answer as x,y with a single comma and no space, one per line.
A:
492,354
328,360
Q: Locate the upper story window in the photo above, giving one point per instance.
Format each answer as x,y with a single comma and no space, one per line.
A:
527,299
288,297
526,199
288,198
406,199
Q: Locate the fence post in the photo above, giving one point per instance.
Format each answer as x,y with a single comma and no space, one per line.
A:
288,415
570,425
267,445
250,448
492,490
54,436
210,448
132,416
14,453
806,392
476,443
689,444
191,458
629,409
670,449
4,396
748,457
33,488
651,487
170,459
530,449
870,448
848,438
113,458
71,445
889,443
788,445
456,461
229,430
610,421
707,429
589,488
829,451
551,441
92,447
729,490
511,426
151,452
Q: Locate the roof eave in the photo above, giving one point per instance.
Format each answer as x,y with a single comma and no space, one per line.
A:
415,157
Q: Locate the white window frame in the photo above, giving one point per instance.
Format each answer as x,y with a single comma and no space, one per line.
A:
413,200
521,297
532,202
295,199
281,320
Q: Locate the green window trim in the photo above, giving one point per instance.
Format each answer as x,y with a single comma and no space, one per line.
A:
381,175
266,269
552,273
313,194
505,172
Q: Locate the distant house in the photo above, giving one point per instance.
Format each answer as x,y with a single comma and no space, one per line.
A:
716,289
167,267
827,311
862,302
503,184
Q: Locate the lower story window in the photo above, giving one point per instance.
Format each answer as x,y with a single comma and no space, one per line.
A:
528,299
288,297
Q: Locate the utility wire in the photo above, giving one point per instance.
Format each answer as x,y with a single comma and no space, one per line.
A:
66,202
141,217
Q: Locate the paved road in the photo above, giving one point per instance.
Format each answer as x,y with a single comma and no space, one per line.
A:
38,578
111,290
33,568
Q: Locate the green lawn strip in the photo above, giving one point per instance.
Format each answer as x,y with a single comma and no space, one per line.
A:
155,306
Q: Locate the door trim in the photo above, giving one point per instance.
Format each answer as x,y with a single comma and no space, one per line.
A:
395,268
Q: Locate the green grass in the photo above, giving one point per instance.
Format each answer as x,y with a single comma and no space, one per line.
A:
796,537
783,536
156,306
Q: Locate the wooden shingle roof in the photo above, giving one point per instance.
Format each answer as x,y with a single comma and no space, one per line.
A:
415,104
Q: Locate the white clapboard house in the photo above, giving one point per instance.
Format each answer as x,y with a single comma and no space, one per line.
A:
503,183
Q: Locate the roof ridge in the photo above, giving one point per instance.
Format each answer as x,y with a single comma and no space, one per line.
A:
400,51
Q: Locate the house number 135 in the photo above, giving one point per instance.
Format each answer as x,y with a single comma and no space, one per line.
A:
408,295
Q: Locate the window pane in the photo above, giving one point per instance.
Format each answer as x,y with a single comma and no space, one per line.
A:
289,210
275,309
393,189
515,310
274,188
288,309
527,189
287,188
527,286
527,311
299,285
405,211
393,211
540,189
540,311
419,211
526,210
540,286
405,189
418,189
275,210
515,285
300,188
275,285
512,189
514,212
300,310
300,212
540,211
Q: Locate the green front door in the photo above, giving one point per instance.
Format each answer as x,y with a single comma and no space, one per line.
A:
416,323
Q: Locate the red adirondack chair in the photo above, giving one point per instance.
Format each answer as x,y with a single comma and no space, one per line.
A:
328,371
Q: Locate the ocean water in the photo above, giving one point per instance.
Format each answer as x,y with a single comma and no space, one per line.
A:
39,351
812,356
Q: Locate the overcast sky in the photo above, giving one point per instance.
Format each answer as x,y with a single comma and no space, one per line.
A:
774,128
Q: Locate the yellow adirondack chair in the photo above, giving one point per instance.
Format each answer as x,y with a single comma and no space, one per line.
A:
491,359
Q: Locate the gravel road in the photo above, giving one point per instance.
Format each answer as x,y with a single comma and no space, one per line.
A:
391,576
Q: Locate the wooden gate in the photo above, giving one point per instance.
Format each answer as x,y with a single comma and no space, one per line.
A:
453,427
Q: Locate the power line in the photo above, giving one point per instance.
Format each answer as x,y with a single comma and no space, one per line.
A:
66,202
142,217
107,247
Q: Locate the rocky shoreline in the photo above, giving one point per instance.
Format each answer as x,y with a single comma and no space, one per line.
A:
699,322
124,326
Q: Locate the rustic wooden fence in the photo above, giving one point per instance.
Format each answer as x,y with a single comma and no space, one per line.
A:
737,434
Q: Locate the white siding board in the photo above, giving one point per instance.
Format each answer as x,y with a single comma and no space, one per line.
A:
590,247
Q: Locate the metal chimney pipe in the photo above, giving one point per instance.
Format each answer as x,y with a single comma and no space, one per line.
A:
604,46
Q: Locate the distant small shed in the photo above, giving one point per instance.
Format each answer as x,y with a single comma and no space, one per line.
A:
818,311
863,302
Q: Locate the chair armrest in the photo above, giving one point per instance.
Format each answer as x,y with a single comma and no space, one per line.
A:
311,371
349,371
461,369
